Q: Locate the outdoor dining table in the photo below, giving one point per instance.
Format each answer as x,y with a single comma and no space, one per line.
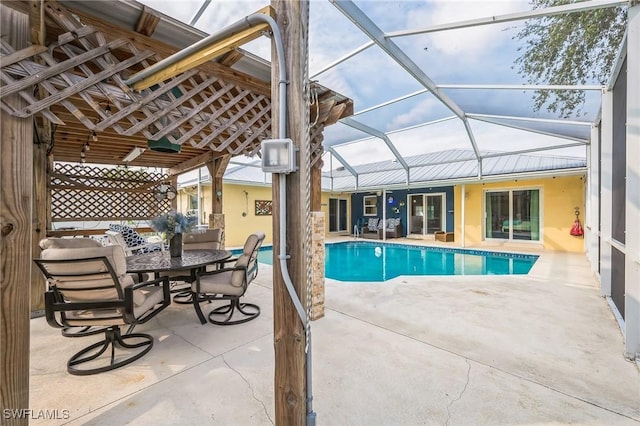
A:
161,261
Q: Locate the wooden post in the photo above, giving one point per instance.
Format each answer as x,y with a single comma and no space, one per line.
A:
16,180
217,167
41,200
289,337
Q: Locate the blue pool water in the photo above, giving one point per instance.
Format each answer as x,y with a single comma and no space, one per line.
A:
374,261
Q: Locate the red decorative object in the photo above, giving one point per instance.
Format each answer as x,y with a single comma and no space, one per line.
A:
576,229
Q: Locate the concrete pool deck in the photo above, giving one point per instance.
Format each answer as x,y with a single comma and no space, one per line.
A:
543,348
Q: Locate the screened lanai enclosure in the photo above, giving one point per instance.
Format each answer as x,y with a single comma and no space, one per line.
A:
398,95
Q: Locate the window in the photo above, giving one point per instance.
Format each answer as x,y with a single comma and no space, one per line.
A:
513,215
370,205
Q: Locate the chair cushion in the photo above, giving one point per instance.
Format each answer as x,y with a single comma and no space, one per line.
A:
237,277
115,256
251,242
373,223
57,243
392,223
148,297
219,284
202,239
132,238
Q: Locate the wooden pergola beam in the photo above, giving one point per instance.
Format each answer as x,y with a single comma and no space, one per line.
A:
192,164
147,22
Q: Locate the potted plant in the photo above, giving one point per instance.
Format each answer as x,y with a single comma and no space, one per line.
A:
173,225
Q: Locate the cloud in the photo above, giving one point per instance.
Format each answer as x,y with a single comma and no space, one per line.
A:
475,55
469,43
366,151
418,114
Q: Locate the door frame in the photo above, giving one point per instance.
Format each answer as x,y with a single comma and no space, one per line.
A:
338,217
443,211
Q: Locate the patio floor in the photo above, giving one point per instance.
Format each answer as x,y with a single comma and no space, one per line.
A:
536,349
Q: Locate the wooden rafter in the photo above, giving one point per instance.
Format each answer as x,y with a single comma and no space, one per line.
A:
148,21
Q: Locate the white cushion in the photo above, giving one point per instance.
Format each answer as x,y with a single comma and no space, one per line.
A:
219,284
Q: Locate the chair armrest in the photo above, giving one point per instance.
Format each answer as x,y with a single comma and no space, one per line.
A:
155,281
129,305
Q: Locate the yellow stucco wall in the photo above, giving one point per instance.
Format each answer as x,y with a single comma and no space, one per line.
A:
235,203
559,197
238,225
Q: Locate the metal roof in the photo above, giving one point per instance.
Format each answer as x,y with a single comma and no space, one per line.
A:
437,65
237,174
450,167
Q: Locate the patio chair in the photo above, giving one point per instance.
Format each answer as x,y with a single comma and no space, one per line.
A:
78,243
89,287
131,241
371,227
229,284
200,239
392,228
203,239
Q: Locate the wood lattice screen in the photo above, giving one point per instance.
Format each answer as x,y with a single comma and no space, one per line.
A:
96,193
84,70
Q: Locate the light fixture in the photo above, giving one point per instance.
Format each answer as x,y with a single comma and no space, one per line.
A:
277,156
94,136
164,191
133,154
164,145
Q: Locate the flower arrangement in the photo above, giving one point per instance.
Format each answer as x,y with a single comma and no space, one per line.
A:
173,223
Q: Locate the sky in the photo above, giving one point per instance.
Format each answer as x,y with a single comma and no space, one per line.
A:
479,55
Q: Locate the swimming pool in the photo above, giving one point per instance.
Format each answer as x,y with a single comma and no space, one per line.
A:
376,261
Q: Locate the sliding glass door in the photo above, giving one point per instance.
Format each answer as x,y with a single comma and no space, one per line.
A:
426,213
337,215
513,214
435,213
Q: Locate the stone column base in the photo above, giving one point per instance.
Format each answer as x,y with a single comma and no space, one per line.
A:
216,220
317,265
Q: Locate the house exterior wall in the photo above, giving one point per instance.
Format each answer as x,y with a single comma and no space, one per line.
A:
558,198
238,209
235,203
398,208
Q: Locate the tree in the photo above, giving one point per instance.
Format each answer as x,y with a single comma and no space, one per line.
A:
569,49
